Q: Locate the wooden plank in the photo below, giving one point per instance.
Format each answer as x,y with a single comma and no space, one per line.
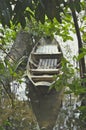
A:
42,83
52,62
44,71
47,49
43,64
55,63
40,63
43,78
47,56
48,64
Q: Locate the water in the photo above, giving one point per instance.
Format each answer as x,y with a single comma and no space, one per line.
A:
68,116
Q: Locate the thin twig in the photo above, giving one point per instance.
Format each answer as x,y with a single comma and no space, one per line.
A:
9,95
6,53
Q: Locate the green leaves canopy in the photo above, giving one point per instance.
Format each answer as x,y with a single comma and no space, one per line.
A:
16,10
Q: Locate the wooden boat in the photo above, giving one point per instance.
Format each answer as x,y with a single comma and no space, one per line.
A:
44,62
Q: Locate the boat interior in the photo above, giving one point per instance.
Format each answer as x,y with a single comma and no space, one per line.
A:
45,62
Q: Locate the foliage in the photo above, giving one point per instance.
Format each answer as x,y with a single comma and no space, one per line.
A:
83,114
84,37
82,54
8,35
7,70
51,28
17,10
82,19
7,75
67,78
65,74
76,85
48,14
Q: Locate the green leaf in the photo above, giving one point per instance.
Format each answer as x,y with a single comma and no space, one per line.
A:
1,128
7,123
68,92
81,55
1,65
83,109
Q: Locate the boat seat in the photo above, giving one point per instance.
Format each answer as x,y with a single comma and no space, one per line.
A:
43,78
44,71
47,48
46,56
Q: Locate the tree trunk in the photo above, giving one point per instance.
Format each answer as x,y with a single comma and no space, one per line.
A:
82,61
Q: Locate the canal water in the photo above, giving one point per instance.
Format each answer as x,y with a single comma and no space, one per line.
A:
68,117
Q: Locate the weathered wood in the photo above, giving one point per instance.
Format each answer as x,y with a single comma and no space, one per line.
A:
45,103
49,78
47,56
45,71
47,64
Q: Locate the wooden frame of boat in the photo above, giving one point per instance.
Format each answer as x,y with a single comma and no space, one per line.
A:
44,62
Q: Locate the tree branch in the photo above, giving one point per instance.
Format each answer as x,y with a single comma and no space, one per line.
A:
82,61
